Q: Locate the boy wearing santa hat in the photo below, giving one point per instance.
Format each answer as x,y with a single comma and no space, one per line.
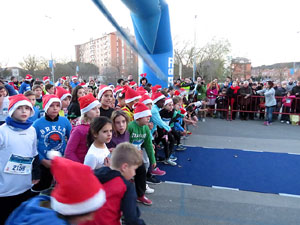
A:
131,97
52,131
18,156
74,82
74,200
65,98
25,86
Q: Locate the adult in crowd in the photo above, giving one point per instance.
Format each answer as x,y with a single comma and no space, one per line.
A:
290,85
296,92
232,94
245,99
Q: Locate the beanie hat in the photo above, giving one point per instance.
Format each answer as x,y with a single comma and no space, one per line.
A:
155,88
18,100
168,100
62,93
48,100
46,78
88,102
74,77
28,77
141,91
141,110
103,88
130,94
77,191
157,96
146,99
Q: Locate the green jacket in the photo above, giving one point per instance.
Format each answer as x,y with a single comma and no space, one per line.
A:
201,92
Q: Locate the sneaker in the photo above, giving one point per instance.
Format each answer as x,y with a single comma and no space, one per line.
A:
287,122
266,123
158,172
180,148
153,180
149,190
173,157
144,200
282,121
170,162
188,132
203,120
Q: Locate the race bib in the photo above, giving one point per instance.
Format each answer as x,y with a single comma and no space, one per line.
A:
18,165
138,144
288,100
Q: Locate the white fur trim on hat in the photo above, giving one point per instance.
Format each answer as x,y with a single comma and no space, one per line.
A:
101,92
20,103
132,99
51,154
142,114
147,101
51,100
87,206
65,95
159,98
90,106
169,100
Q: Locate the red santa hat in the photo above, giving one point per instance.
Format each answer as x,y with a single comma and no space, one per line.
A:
88,102
118,90
183,111
18,100
62,93
103,88
157,96
141,110
168,100
64,78
146,99
77,190
46,79
141,91
130,94
48,100
176,93
74,78
28,77
132,84
156,88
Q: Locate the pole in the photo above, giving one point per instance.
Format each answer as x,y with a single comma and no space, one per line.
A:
52,71
194,57
180,70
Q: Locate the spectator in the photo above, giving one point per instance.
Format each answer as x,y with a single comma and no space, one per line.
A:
232,94
287,103
296,92
245,100
212,93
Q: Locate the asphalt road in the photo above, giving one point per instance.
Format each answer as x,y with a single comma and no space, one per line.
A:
179,204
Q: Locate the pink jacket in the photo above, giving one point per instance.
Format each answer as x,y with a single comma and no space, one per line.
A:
77,147
287,101
212,93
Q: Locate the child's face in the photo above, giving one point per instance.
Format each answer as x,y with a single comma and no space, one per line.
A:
38,92
149,105
107,98
22,113
90,90
66,102
143,121
120,124
53,110
80,93
31,99
127,171
105,134
93,113
177,106
169,106
121,102
51,91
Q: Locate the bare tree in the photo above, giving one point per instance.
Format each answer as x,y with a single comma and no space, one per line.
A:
30,64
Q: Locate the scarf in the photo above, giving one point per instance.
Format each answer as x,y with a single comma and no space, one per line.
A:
16,125
235,89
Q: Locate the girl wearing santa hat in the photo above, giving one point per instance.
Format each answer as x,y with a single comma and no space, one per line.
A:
100,134
77,146
18,155
74,107
106,99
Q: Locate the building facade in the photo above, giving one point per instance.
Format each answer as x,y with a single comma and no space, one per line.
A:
110,53
241,68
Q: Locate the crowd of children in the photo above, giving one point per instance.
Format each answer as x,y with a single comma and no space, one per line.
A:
54,136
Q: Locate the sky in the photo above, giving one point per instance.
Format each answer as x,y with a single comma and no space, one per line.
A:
263,31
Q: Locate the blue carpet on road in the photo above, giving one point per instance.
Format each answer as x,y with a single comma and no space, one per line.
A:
250,171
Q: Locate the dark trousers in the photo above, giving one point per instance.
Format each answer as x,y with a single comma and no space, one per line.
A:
9,204
285,117
168,145
244,115
45,181
176,135
140,180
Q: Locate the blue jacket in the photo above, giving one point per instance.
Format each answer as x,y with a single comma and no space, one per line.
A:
31,213
157,121
10,89
73,85
37,114
24,87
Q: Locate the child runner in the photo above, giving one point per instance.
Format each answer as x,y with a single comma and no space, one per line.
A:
75,198
99,135
50,89
4,103
18,156
140,136
74,107
37,89
120,192
31,97
105,97
52,131
65,98
131,97
77,146
25,86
